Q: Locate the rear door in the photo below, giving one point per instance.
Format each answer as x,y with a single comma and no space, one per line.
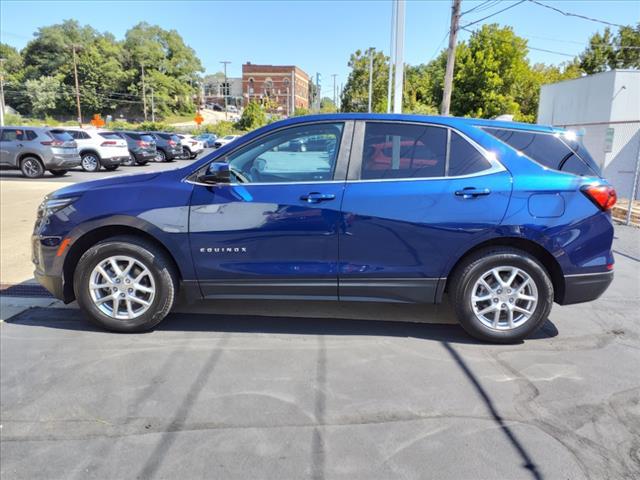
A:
273,231
416,196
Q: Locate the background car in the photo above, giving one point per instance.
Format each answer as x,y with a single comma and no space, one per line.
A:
142,147
35,150
208,139
168,146
99,148
191,147
220,142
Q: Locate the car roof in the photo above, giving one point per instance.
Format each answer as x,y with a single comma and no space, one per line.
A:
434,119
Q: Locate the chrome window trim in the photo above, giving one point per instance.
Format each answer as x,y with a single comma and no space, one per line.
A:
347,132
357,149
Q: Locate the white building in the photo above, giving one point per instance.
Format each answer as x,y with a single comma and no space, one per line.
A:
605,109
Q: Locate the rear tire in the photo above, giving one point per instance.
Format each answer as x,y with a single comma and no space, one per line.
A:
31,167
90,162
111,168
131,161
59,173
492,309
114,298
186,153
161,156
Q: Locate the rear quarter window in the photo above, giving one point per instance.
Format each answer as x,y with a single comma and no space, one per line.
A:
110,136
464,158
547,149
60,135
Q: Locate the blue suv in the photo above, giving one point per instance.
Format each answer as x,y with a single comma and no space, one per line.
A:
504,218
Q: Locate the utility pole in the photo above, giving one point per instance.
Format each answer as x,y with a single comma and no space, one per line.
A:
399,57
335,103
293,92
224,88
75,74
451,57
144,94
153,107
370,78
2,92
392,49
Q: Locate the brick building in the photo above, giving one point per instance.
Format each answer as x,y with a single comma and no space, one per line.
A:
287,85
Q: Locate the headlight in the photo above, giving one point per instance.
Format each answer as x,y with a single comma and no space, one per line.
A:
52,205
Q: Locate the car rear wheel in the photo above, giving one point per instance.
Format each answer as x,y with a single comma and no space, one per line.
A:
186,153
90,162
501,294
125,284
32,167
161,156
59,173
131,161
111,168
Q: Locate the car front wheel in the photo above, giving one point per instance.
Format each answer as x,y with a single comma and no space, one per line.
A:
125,284
501,294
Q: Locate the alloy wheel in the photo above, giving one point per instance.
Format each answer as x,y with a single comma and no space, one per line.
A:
32,168
122,287
90,163
504,298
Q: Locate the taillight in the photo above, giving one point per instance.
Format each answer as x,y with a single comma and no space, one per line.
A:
109,143
53,143
193,143
172,143
604,196
142,143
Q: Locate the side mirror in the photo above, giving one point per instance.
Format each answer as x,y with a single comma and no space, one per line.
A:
218,172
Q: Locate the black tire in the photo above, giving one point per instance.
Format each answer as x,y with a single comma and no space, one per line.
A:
160,156
131,161
58,173
154,259
193,156
478,264
186,153
111,168
142,163
31,167
90,162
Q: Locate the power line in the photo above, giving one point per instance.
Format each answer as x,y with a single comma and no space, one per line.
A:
483,6
529,47
494,14
577,15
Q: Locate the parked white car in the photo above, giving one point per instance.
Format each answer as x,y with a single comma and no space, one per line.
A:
224,140
191,147
99,148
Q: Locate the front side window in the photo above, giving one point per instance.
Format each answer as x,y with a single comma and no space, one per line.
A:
306,153
394,150
544,148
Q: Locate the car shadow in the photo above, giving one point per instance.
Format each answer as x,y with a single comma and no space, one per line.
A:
68,319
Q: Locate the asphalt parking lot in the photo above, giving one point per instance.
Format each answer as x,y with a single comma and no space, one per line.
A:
275,390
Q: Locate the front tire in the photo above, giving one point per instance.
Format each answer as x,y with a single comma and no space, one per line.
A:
501,294
125,284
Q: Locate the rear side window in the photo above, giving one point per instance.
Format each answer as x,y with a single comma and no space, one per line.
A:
166,136
393,150
464,158
546,149
175,138
135,136
147,138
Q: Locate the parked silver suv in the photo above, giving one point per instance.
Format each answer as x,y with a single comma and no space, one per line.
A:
34,150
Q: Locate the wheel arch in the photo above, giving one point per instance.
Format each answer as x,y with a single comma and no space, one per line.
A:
91,237
24,155
541,254
90,150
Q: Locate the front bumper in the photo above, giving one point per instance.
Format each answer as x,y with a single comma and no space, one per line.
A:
48,266
585,287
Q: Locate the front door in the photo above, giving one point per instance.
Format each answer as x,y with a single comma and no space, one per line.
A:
416,196
273,231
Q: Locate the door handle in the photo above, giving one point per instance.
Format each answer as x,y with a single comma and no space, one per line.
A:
316,197
472,192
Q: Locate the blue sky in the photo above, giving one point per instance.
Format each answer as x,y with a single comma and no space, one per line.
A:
318,36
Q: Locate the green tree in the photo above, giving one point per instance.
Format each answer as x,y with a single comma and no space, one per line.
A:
327,105
253,116
43,94
355,95
12,71
608,51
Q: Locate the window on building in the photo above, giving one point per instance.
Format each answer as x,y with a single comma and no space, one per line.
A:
547,149
268,87
396,150
251,82
464,158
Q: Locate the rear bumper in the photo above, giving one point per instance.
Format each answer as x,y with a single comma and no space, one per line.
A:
109,162
63,162
585,287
